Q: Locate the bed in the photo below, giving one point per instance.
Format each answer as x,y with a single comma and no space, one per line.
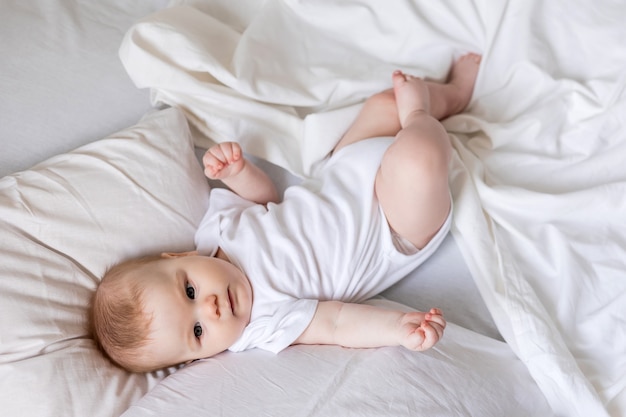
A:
104,109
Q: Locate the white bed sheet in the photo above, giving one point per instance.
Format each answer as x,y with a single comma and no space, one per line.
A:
539,178
61,82
466,375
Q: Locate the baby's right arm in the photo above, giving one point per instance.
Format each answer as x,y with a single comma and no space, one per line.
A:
365,326
226,162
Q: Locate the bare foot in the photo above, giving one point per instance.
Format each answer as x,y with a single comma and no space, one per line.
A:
463,77
412,96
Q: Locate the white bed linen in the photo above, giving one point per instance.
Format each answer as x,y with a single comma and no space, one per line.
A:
61,82
465,375
539,177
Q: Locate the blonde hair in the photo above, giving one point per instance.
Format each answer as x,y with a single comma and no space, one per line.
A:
117,318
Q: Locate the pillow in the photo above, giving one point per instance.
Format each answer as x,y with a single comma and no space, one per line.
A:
62,224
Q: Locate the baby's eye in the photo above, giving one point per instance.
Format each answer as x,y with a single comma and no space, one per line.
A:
191,291
197,330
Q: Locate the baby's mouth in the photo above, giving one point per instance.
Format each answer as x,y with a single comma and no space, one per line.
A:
230,302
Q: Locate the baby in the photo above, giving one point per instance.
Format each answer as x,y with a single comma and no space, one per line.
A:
269,274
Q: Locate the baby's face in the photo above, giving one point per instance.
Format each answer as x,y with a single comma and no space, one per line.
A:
199,307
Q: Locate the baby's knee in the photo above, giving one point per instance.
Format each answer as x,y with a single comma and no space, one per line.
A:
418,159
383,102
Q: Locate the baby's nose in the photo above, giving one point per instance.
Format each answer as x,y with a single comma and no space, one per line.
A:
210,308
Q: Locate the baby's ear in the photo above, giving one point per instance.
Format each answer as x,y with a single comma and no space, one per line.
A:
170,255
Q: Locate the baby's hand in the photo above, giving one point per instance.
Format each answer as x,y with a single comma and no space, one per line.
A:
420,331
223,160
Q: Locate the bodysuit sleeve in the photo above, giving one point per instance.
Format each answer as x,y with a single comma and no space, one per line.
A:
278,327
224,206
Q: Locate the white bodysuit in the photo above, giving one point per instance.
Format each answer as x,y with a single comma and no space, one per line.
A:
327,240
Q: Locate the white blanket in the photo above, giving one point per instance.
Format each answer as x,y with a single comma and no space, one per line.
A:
539,177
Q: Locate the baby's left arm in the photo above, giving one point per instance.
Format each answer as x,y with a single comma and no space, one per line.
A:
365,326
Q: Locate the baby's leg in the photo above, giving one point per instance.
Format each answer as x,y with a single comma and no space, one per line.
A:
379,115
412,181
377,118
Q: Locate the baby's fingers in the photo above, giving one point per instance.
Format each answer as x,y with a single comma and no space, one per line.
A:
432,333
438,328
435,315
435,319
218,157
228,152
212,164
